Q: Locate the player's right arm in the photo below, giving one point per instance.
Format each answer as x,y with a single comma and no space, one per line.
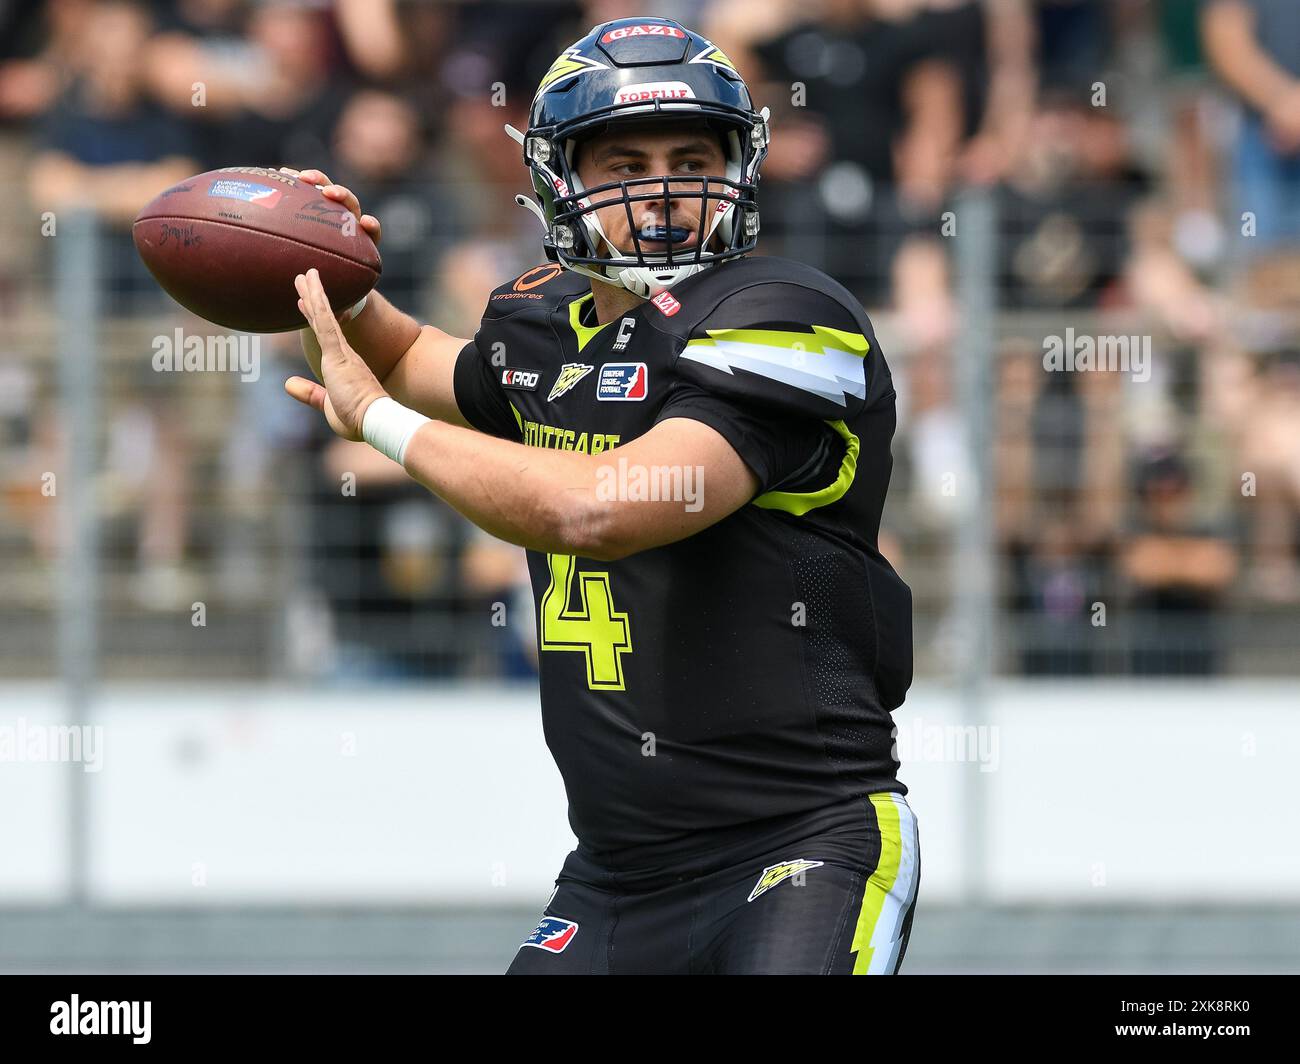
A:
416,364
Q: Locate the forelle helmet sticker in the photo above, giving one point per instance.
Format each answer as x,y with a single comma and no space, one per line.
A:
654,90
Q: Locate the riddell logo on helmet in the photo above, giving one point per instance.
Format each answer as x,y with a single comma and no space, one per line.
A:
654,90
623,32
666,304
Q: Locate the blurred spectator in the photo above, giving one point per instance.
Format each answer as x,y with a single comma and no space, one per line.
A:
1179,572
107,146
1075,40
380,155
496,575
263,89
1189,119
1052,453
1254,47
38,45
1271,455
386,555
868,107
1065,208
1058,580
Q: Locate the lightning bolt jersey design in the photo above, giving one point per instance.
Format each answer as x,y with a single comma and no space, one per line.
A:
747,673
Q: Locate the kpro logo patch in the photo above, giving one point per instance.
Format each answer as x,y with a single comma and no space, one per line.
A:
552,934
622,382
521,380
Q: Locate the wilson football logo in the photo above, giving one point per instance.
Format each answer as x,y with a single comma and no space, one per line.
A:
570,374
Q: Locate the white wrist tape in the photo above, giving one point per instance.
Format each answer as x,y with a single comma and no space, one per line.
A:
354,312
388,427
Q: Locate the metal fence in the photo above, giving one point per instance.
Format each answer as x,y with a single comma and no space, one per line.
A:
187,519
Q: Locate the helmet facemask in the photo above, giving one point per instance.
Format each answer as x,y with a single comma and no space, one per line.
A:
728,215
725,225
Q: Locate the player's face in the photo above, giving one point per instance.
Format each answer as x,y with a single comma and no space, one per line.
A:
686,153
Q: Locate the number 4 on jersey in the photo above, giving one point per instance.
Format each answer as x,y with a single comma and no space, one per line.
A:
593,626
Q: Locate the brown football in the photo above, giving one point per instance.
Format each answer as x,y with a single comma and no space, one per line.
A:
227,245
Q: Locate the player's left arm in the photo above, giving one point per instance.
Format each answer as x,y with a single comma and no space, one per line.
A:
553,501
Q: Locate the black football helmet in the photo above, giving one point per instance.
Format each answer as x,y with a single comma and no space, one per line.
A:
630,70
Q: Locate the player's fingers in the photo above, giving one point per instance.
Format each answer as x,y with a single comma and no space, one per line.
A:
372,227
343,195
319,312
309,307
307,392
314,177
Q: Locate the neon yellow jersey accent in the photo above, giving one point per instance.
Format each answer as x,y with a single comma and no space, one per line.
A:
800,502
815,342
584,333
594,628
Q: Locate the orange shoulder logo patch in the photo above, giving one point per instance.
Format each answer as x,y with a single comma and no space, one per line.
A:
537,276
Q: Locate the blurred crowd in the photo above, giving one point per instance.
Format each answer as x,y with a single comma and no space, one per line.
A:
1142,163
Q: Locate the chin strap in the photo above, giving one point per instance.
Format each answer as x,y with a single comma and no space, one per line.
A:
534,209
524,201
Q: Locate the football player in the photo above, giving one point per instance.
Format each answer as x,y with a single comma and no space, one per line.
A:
693,445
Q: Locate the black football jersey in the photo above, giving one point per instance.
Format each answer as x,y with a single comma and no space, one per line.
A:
747,672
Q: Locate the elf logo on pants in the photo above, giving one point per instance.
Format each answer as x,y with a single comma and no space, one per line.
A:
779,873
